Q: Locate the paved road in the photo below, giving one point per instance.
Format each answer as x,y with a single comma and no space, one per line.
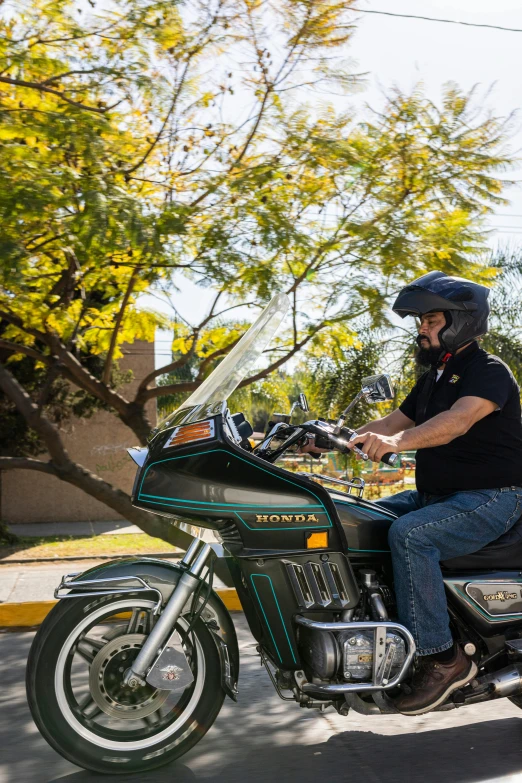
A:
262,739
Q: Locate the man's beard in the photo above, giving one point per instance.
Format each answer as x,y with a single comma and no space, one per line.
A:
426,357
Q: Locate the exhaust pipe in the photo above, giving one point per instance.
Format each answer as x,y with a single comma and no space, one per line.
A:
498,685
506,682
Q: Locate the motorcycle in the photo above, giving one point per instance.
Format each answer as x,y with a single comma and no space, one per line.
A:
131,667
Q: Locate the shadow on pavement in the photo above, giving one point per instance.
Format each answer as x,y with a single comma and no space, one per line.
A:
471,753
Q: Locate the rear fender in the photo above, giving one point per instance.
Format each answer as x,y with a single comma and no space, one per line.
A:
164,576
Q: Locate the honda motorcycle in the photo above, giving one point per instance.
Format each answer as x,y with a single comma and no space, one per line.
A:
131,667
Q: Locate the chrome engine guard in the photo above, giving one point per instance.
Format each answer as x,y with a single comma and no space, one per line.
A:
379,682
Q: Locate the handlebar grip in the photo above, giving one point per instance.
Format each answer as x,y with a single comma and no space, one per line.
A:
390,458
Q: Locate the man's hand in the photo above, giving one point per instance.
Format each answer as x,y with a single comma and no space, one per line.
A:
376,446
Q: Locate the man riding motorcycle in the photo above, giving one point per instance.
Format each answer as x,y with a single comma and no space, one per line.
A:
463,417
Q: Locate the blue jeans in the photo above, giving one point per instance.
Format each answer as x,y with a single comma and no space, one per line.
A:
431,528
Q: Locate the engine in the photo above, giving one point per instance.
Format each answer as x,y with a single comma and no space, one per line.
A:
349,655
358,655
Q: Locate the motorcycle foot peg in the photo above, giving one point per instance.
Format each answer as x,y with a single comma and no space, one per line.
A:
458,698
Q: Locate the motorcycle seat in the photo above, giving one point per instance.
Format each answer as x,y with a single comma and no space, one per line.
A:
503,554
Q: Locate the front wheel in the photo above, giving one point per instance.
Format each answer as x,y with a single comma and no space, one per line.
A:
80,705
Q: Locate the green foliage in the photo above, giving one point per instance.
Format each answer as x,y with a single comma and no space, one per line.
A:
260,400
124,165
334,380
505,336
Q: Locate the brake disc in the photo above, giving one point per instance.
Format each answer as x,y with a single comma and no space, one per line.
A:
106,681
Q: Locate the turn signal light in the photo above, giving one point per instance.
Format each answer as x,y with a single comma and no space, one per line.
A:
317,540
201,430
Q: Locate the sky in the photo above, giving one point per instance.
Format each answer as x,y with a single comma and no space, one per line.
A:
404,52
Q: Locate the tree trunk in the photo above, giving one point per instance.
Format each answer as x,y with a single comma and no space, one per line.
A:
137,420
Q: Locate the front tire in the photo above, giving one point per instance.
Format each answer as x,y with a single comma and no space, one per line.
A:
116,731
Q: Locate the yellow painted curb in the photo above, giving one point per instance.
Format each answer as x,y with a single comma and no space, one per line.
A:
31,613
24,614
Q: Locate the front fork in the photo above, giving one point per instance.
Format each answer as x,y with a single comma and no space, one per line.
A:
194,562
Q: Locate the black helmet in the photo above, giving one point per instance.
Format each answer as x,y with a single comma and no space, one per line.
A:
465,305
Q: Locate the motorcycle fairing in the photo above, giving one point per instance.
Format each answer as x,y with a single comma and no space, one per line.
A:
164,576
257,515
247,500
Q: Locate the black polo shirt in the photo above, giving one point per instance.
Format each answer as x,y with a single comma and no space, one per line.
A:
489,455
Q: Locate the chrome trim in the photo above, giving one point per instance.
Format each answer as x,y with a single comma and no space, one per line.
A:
264,662
356,483
231,424
379,682
344,414
302,589
265,443
83,588
506,682
138,454
189,555
317,585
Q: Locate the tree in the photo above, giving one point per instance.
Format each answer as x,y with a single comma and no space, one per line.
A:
124,165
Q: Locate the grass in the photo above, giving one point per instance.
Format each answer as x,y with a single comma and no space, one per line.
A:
29,548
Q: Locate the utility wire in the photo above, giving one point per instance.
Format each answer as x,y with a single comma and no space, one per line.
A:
435,19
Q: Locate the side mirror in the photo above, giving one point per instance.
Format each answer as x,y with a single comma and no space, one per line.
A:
378,388
303,402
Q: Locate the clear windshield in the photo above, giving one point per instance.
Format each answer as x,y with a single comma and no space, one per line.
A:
241,360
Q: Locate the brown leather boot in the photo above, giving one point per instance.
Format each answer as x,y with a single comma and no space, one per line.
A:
434,681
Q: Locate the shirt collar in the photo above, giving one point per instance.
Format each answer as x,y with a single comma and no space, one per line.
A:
461,357
466,353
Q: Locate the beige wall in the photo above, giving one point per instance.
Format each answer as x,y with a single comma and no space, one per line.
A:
99,444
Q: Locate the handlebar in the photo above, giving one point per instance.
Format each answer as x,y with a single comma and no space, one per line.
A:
390,458
326,440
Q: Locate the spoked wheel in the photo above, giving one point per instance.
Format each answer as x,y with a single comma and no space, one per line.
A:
83,709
